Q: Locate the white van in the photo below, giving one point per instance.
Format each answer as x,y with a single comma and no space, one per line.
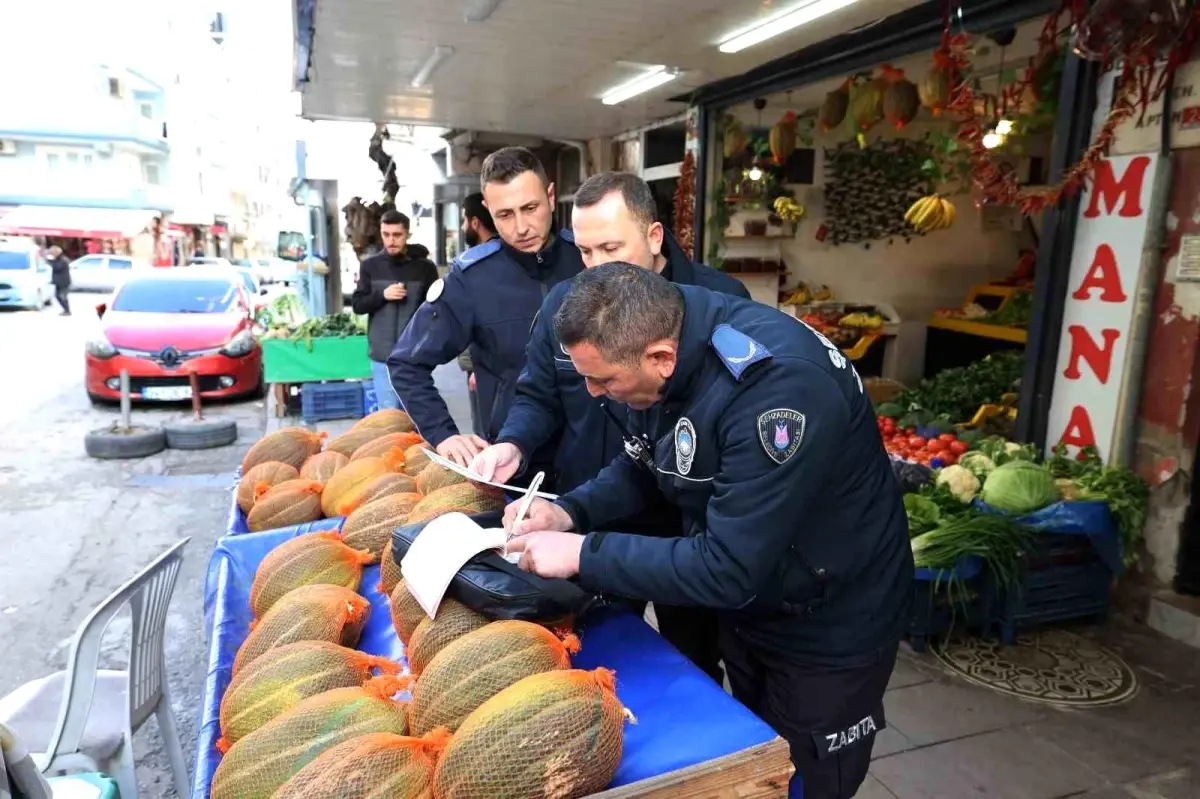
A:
24,275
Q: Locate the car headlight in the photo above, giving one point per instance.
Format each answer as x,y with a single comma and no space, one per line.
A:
99,347
239,345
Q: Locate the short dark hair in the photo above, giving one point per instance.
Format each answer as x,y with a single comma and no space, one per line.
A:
634,191
620,309
394,217
507,163
474,208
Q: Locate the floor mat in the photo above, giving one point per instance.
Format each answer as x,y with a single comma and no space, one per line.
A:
1052,666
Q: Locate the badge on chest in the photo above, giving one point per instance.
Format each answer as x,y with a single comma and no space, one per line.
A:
685,445
781,431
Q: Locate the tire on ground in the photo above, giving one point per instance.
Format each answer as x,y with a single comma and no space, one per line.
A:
201,434
109,444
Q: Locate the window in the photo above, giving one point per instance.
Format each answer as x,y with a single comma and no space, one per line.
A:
13,260
174,295
152,174
52,161
120,263
88,262
67,160
114,88
147,110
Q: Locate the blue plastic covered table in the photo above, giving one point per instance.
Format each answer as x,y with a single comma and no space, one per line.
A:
684,719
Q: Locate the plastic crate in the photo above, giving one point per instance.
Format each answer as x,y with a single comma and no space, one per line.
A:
1063,580
370,399
320,401
935,612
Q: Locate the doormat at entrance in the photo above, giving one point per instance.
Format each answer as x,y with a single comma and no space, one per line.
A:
1051,666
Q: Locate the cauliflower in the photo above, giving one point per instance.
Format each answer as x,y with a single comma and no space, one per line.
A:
1011,446
977,463
961,482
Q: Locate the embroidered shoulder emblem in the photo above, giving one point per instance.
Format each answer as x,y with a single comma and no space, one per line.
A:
477,254
737,350
781,431
685,445
567,234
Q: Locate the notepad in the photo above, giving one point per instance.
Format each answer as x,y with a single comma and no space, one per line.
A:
443,547
446,463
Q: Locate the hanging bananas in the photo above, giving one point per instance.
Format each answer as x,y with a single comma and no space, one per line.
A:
788,209
931,213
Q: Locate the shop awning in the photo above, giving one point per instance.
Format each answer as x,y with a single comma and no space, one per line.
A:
83,223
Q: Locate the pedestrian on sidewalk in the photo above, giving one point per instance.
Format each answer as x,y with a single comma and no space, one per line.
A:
391,286
60,275
477,228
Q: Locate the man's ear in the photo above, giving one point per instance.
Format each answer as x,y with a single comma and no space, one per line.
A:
656,234
550,195
662,356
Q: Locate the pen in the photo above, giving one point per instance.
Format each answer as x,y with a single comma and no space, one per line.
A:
527,500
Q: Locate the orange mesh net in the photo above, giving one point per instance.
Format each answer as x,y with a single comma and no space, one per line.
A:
433,477
291,445
453,621
308,613
379,447
407,612
322,466
257,765
479,665
463,497
555,734
370,526
279,679
385,485
311,559
290,502
415,459
375,766
352,478
272,473
390,419
389,570
354,438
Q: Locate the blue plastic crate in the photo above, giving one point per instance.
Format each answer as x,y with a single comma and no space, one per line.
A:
320,401
935,611
370,399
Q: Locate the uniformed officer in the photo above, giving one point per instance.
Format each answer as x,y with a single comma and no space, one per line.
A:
486,304
758,429
614,219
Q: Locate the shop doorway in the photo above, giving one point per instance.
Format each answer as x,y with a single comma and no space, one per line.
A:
1187,576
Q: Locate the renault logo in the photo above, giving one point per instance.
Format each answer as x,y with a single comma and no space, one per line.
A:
169,356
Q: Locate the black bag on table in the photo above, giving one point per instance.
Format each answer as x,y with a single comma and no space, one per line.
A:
500,590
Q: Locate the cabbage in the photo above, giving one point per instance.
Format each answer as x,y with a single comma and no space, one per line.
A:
1019,487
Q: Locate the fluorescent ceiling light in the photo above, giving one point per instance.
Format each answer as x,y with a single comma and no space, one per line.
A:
479,10
656,77
440,53
781,23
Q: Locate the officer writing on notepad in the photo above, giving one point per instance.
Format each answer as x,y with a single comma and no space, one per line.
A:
614,219
486,304
757,428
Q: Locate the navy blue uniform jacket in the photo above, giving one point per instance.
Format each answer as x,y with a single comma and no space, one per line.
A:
552,398
487,304
793,523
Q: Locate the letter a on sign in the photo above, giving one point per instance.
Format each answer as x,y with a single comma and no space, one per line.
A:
1126,191
1103,274
1079,431
1084,347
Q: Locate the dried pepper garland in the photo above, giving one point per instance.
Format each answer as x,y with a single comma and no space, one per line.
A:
685,204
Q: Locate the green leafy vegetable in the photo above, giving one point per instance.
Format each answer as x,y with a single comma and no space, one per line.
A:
956,394
923,513
1127,494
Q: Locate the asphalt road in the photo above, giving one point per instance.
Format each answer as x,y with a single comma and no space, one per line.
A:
73,529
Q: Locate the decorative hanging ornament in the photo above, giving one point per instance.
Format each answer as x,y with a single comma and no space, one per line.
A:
1114,29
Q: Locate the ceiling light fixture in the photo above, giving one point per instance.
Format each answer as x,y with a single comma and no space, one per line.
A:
781,23
656,77
440,53
479,10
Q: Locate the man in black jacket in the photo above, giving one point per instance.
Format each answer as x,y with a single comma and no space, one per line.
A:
60,274
391,286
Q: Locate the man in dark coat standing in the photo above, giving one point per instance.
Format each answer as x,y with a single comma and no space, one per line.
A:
60,275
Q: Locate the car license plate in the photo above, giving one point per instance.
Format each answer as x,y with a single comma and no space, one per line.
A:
167,392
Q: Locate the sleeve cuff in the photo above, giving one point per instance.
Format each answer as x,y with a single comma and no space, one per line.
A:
590,563
575,510
520,445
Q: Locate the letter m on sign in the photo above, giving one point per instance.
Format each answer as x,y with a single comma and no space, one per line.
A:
1125,191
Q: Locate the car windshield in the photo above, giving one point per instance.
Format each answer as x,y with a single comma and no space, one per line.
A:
14,260
243,262
176,296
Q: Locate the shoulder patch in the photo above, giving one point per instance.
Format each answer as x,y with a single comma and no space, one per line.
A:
737,350
566,234
781,431
477,254
435,290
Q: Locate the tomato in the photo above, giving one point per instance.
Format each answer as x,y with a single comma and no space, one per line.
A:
889,425
910,431
935,445
958,447
947,437
949,458
916,442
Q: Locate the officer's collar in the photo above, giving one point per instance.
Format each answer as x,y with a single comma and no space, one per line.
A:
529,260
680,265
693,347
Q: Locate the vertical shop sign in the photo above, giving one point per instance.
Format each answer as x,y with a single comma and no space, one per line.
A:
1105,263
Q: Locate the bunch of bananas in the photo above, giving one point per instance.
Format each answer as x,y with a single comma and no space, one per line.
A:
931,213
788,209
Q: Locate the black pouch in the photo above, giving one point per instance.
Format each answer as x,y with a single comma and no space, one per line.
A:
498,589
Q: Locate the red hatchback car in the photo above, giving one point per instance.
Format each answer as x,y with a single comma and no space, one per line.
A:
165,325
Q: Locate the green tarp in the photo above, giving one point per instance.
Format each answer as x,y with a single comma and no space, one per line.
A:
286,361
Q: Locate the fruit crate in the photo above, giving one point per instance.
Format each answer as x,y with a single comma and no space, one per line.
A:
321,401
1063,579
370,399
935,611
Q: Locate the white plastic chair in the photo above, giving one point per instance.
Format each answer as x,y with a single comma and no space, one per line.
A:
83,740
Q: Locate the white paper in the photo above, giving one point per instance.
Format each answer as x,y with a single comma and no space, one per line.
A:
470,475
441,549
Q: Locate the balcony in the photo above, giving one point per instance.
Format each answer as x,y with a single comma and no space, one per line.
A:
86,120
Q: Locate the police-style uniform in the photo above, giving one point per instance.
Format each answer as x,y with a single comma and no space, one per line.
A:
486,304
793,527
552,402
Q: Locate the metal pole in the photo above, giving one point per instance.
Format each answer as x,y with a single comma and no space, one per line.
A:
194,381
126,402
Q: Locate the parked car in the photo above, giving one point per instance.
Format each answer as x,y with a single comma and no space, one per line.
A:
165,325
104,273
208,260
252,266
24,275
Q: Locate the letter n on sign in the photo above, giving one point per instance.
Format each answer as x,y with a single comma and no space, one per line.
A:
1105,264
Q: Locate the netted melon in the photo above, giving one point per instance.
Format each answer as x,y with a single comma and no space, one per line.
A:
453,621
343,488
271,473
393,420
354,438
407,613
433,477
389,570
380,765
377,448
323,465
312,559
291,502
385,485
470,498
291,445
370,526
257,765
279,679
558,733
309,613
479,665
415,459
